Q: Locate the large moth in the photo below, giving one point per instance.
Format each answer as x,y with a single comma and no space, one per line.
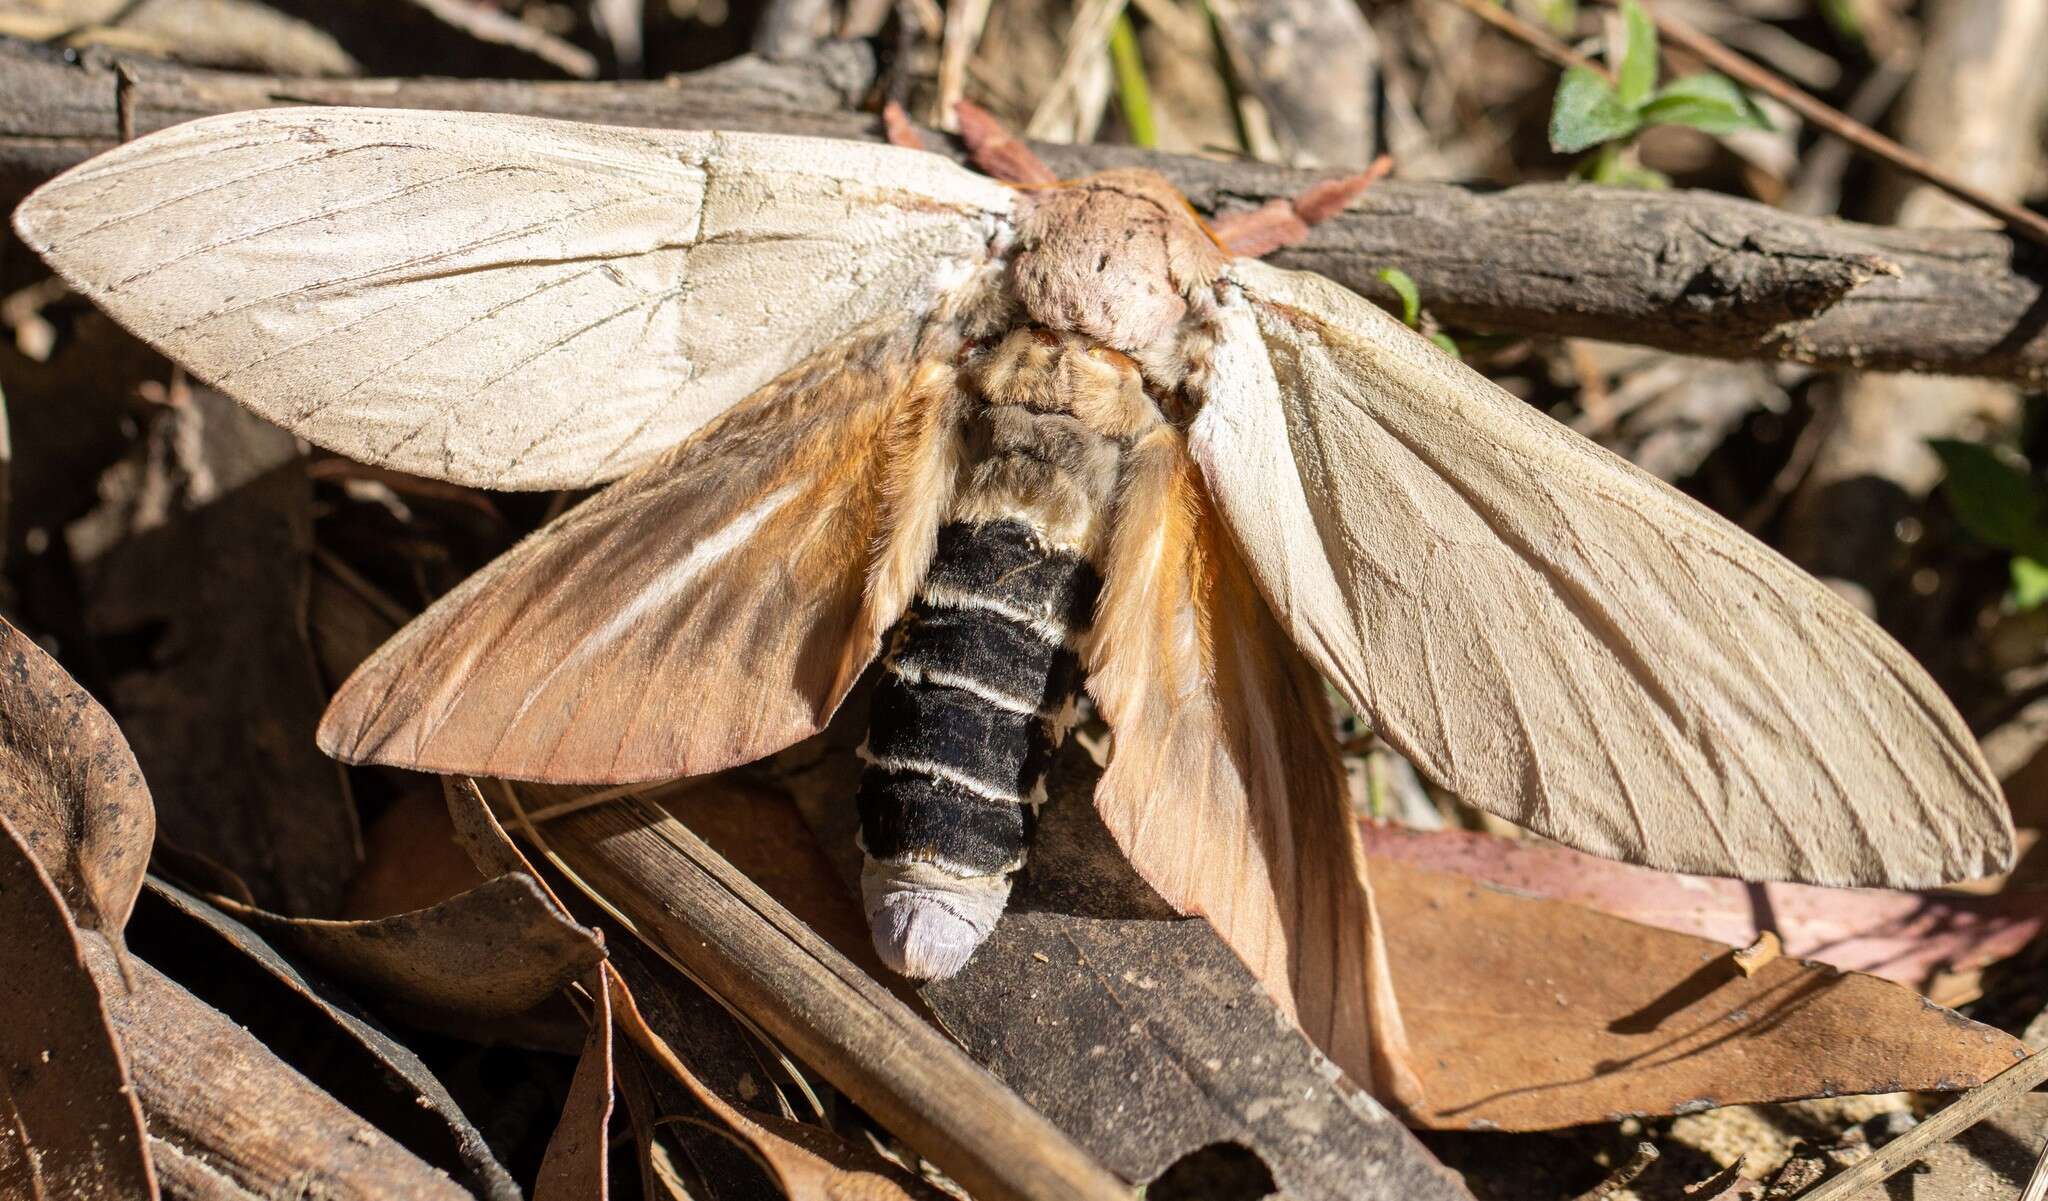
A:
1017,436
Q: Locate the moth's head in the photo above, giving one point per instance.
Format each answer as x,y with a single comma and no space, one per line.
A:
1113,257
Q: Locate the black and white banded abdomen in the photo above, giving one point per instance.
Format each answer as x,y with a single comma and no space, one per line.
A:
977,694
978,687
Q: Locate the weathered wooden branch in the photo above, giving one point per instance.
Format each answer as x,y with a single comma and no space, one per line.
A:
1688,271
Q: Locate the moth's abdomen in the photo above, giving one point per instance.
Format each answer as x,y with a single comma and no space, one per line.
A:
975,697
978,687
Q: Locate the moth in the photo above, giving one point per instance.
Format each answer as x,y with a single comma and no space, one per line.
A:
1016,436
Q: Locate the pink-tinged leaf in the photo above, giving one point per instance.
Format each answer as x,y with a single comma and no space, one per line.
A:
1905,936
1532,1014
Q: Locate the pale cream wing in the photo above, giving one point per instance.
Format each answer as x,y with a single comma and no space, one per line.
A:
502,301
1560,638
706,611
1224,787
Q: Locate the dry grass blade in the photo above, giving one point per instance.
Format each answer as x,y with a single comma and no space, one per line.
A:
1892,1158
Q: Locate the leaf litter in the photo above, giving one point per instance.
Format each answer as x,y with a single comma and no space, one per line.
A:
1545,988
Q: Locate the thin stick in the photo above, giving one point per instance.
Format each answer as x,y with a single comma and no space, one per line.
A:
1540,40
1961,1114
2020,221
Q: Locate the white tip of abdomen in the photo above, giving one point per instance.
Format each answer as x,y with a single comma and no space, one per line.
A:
927,921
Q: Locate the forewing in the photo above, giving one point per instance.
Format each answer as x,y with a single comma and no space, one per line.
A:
706,611
1560,638
1224,787
502,301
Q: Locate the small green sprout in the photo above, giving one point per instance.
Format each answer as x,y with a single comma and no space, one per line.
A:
1996,497
1591,111
1411,308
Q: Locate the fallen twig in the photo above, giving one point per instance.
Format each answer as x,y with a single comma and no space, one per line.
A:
1961,1114
1687,271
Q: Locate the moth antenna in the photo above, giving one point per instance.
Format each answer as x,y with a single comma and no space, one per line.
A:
901,132
996,151
1277,224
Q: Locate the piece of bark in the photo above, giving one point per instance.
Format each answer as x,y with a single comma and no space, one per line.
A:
1136,1031
333,1042
745,947
1904,936
494,951
1687,271
70,1126
1529,1014
214,1093
197,563
70,786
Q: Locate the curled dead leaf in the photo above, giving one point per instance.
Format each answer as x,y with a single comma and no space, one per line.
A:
494,951
230,965
70,1126
71,788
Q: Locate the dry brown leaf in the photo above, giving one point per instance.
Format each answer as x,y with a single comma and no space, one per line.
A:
576,1166
1900,935
232,967
494,951
70,1126
1530,1014
71,788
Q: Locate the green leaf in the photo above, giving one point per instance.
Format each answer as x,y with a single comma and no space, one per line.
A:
1994,497
1713,103
1637,75
2029,583
1561,15
1404,287
1587,112
1448,346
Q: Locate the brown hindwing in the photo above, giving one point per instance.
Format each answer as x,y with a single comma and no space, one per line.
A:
705,611
1224,785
